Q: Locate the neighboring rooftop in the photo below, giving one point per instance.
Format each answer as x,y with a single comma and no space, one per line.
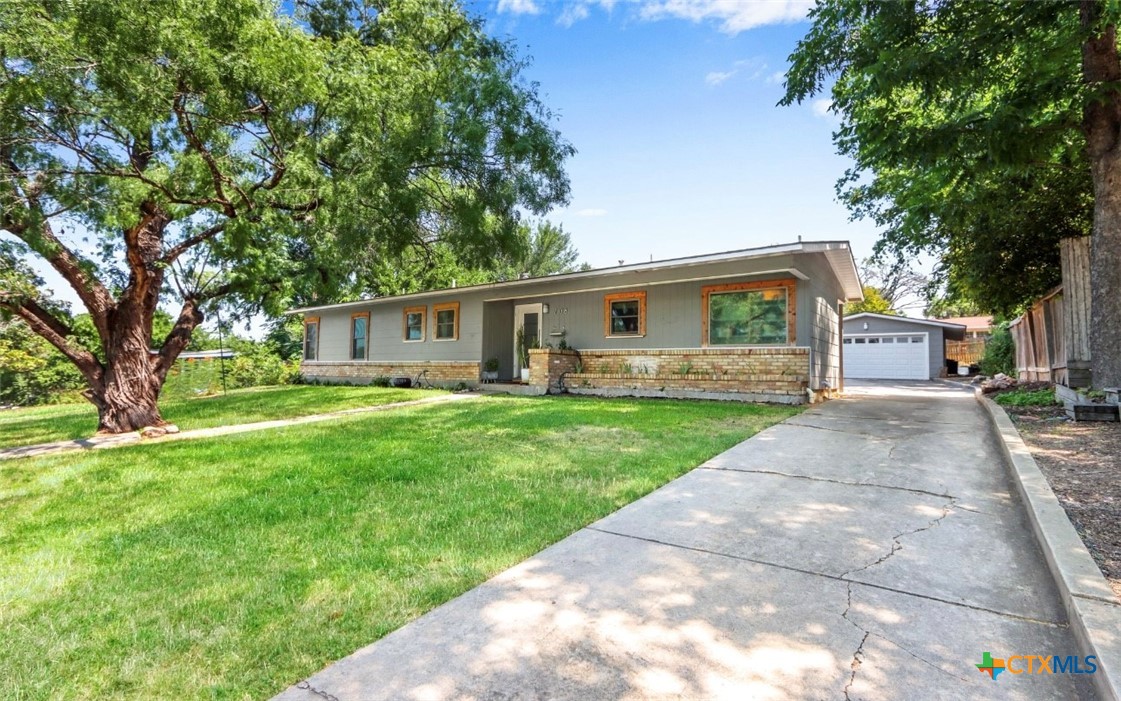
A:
971,323
838,253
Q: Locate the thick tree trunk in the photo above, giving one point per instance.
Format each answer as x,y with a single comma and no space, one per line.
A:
129,399
128,395
1101,69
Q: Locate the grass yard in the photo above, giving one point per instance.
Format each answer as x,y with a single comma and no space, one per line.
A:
231,568
44,424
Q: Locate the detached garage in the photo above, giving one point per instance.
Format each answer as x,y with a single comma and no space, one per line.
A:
883,347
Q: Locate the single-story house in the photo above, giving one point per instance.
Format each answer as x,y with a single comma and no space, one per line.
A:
885,347
760,324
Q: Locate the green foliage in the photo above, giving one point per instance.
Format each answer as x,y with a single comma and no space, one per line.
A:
331,534
963,121
543,248
1027,397
233,153
873,302
31,371
947,307
260,367
1000,353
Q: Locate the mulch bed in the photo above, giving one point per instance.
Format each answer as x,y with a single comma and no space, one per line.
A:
1082,461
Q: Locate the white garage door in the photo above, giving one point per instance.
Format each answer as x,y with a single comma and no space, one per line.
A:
887,357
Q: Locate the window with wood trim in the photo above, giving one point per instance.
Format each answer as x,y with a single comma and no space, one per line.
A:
445,321
311,338
359,336
624,314
413,322
749,313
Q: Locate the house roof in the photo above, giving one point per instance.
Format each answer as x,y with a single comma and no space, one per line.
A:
971,323
955,332
837,253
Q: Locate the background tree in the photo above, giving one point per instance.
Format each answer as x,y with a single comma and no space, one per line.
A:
984,131
220,151
873,302
542,248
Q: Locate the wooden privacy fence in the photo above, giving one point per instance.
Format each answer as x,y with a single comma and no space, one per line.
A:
1053,337
967,352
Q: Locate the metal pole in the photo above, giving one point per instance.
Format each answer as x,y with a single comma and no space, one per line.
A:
221,349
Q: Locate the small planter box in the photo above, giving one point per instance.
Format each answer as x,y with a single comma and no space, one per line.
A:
1092,412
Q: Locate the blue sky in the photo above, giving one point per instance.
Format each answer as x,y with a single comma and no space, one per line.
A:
671,105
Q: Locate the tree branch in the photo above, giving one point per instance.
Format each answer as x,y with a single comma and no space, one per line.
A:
45,325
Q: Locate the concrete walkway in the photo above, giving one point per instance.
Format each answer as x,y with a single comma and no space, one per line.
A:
869,548
115,441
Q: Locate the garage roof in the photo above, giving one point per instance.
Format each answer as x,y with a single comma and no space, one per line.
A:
953,332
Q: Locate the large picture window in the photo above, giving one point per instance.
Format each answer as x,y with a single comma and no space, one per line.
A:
311,337
359,335
414,323
624,314
749,314
445,321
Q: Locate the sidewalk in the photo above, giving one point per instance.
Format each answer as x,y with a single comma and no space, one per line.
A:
100,442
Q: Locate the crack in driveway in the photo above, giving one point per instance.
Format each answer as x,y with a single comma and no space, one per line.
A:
896,546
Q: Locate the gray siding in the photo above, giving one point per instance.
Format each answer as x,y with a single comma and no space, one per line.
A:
936,347
386,330
819,321
576,307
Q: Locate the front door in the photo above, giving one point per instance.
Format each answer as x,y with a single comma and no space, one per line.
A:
527,316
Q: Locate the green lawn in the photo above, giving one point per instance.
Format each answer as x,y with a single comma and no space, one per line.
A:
44,424
230,568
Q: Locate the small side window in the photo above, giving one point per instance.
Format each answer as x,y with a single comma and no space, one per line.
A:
359,335
311,338
445,322
414,323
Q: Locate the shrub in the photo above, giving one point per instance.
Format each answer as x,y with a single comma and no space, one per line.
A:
258,367
1000,353
1026,397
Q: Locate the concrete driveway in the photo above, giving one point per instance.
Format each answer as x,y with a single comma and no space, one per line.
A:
869,548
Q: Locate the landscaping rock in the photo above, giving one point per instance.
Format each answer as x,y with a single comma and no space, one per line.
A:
999,382
152,432
171,428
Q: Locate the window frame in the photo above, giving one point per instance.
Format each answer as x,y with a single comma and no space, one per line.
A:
631,296
436,309
366,341
788,285
308,321
423,311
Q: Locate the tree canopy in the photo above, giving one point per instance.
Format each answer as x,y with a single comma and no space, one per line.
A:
222,150
982,131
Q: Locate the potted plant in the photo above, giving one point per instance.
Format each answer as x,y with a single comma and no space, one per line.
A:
523,345
490,370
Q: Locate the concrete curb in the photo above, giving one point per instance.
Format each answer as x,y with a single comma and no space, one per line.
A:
1092,609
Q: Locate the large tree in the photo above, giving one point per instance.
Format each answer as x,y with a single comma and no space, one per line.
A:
203,151
982,130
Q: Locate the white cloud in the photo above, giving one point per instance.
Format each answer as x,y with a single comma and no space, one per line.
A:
717,77
573,14
518,7
594,212
778,77
821,107
735,16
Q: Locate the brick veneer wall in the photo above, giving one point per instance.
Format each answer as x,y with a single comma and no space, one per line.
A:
548,365
782,372
439,371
